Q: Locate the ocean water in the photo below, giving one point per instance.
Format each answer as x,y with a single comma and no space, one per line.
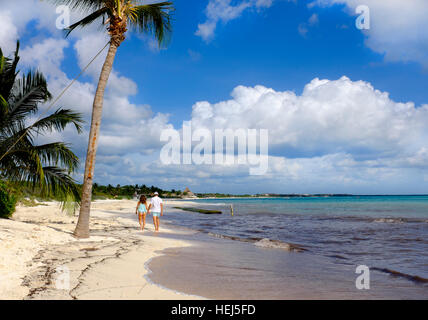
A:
389,234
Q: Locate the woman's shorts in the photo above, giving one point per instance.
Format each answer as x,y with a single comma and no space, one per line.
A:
156,214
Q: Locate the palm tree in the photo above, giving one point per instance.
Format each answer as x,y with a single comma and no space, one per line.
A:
45,168
119,15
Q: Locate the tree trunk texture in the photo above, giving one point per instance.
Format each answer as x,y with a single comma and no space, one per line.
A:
82,228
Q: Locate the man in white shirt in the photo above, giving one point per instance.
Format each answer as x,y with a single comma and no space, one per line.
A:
156,208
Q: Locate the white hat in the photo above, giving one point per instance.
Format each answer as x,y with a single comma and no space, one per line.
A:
156,193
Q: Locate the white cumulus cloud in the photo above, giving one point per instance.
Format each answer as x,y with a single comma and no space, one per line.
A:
397,30
328,117
225,11
8,33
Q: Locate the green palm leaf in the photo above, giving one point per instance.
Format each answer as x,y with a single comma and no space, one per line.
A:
58,121
84,5
101,13
27,93
8,73
45,168
154,19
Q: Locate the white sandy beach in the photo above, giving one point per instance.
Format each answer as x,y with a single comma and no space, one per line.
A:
37,246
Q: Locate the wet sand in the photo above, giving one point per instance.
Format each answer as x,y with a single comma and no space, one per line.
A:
222,269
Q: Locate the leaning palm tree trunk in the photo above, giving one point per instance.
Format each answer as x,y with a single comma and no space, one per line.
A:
82,228
152,18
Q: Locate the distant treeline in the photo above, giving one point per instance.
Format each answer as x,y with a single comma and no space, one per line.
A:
26,194
270,195
222,195
128,191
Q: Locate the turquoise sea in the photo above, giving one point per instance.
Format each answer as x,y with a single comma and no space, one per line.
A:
389,234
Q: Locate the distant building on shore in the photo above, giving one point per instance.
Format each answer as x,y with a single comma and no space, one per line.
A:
188,194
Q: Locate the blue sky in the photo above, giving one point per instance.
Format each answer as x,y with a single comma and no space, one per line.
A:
257,48
261,48
280,44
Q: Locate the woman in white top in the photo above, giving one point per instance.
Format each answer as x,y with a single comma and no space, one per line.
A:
156,208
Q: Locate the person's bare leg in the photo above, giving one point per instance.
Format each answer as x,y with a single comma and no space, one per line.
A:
154,222
158,222
139,220
144,221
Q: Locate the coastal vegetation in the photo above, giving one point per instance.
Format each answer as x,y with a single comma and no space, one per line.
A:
7,201
12,193
43,169
118,15
123,192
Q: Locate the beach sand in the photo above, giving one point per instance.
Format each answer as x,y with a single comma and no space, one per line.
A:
40,259
38,254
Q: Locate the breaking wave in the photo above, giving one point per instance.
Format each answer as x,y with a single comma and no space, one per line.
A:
263,242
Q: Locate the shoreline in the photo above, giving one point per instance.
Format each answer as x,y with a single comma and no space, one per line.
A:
38,249
246,258
121,262
149,272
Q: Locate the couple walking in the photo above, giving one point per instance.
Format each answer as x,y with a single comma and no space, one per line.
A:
155,207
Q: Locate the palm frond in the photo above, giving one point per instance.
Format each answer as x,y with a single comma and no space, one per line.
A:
27,93
4,107
9,138
101,13
8,73
58,121
48,181
59,183
154,19
58,154
44,168
83,5
23,165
